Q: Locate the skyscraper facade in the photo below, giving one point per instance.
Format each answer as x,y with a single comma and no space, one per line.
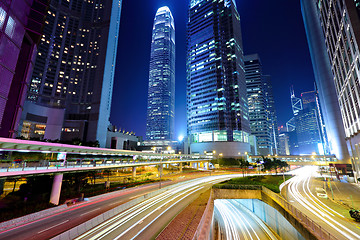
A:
21,25
217,111
308,124
74,68
161,92
272,113
334,53
261,106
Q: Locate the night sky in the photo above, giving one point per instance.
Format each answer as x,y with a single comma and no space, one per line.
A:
273,29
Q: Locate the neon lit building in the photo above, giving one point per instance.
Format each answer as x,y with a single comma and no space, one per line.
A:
75,66
161,92
21,25
217,110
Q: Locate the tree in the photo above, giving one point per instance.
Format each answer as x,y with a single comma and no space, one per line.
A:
244,165
268,164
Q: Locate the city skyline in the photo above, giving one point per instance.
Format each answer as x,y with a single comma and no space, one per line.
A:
275,59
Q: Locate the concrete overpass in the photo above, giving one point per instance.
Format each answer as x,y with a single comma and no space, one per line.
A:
61,166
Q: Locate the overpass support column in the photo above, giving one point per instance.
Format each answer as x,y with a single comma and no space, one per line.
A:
160,168
134,172
2,183
206,165
181,167
56,189
197,165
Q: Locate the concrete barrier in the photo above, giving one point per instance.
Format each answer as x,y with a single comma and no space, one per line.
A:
203,229
30,217
86,226
303,224
51,211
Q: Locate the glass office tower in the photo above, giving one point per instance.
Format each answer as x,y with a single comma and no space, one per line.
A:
217,110
74,69
161,92
332,28
261,106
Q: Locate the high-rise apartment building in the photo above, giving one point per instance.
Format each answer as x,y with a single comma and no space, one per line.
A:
261,106
217,111
21,25
334,51
74,71
161,92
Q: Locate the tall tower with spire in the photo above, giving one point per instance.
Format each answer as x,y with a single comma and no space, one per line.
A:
161,92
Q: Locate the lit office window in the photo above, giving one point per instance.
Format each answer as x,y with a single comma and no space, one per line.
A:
2,17
10,27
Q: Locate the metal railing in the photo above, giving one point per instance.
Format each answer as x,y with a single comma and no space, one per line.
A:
73,166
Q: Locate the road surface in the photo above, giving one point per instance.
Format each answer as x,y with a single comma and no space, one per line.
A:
64,219
310,197
147,219
234,221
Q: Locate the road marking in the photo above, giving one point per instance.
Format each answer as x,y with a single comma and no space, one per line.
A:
90,211
140,195
54,226
115,203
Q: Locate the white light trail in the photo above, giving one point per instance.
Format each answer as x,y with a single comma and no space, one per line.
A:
301,181
148,207
237,223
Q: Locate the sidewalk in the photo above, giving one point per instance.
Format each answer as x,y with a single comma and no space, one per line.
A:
342,198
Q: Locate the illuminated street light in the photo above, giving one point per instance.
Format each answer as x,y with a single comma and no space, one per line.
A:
214,152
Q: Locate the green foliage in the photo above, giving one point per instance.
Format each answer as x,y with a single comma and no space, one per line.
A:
271,182
273,164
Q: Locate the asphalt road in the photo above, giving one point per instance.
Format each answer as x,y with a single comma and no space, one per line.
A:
50,226
147,219
236,222
309,196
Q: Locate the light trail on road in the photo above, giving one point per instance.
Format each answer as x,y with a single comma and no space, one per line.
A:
235,222
134,222
299,189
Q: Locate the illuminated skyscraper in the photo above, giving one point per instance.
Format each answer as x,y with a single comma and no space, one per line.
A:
332,29
217,111
74,71
161,92
261,106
